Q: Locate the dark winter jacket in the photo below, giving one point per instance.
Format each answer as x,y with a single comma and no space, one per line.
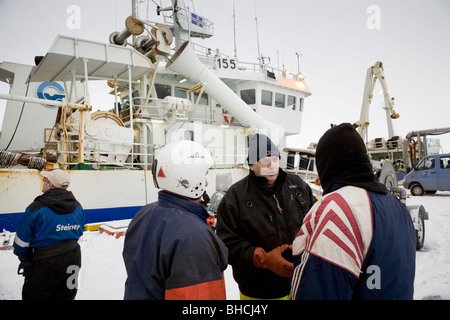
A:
53,218
355,244
253,215
170,252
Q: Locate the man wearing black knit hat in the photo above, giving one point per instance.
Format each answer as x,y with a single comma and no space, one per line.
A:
258,219
358,241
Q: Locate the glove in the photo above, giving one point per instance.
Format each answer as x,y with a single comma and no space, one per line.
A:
273,260
23,268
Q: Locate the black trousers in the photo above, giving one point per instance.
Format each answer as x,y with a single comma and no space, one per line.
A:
53,278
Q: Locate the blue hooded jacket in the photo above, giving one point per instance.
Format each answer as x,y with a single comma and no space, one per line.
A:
53,217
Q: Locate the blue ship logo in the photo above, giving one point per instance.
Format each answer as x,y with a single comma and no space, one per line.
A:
50,91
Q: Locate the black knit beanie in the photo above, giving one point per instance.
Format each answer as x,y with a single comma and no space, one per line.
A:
260,146
341,157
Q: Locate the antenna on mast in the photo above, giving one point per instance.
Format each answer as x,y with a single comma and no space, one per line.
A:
257,32
298,61
234,31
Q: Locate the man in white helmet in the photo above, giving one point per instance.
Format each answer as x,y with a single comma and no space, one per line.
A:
170,252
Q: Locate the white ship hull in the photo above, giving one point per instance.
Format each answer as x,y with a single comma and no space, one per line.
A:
105,195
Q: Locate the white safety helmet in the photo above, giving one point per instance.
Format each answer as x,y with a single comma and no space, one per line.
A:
180,167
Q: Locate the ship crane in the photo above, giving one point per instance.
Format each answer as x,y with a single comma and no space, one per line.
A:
387,175
374,73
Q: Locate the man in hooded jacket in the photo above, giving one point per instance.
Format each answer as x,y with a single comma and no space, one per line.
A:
46,241
358,241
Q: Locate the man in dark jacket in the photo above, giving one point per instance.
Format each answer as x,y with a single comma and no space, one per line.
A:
170,251
46,241
358,241
258,219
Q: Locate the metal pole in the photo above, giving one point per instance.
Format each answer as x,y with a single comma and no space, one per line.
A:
87,98
130,96
116,104
14,97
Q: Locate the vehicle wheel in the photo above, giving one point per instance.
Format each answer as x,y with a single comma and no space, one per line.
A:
420,233
417,190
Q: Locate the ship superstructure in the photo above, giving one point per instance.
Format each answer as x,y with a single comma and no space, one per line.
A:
165,88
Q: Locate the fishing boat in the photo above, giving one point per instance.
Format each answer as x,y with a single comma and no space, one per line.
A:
165,87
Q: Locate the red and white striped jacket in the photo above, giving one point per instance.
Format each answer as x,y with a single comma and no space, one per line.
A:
345,236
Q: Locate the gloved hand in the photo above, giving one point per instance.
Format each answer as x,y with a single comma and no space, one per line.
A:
273,260
23,268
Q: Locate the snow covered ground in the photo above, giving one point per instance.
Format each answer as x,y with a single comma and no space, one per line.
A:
102,274
433,260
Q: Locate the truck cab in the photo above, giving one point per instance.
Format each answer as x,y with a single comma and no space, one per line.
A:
430,175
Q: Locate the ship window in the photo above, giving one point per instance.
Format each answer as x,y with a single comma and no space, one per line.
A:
189,135
290,160
162,90
248,96
300,107
266,98
180,92
306,163
279,100
291,102
203,99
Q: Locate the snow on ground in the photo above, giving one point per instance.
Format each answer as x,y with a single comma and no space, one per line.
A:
102,275
433,260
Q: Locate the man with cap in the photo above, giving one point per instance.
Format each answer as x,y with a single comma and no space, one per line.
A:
358,241
46,241
258,219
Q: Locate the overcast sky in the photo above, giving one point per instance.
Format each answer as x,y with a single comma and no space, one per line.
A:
338,41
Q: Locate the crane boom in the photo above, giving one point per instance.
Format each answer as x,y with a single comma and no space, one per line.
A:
374,73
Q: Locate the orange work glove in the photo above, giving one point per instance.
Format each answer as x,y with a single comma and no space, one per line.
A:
273,260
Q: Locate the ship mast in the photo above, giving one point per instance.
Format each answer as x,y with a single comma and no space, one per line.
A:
234,30
257,34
